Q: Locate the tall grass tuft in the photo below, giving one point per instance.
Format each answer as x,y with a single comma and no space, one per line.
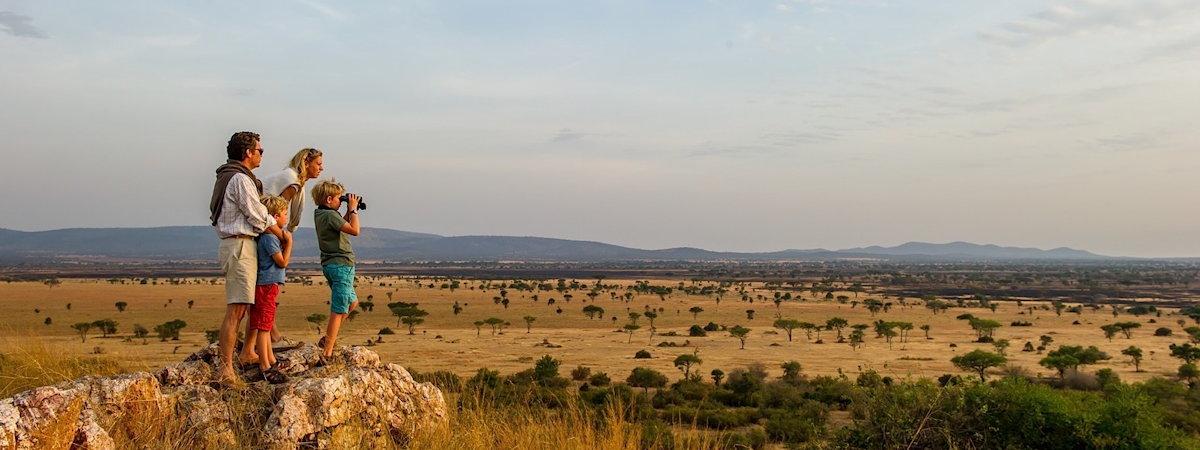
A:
30,362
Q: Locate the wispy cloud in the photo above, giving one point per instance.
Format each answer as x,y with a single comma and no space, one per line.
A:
20,26
1085,17
1128,142
568,135
325,10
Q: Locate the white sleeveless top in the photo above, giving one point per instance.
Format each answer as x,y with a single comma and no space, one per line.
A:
275,183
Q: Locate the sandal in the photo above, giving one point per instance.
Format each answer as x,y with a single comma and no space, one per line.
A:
321,343
323,361
273,376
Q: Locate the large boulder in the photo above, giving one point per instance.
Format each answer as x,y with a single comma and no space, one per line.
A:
355,394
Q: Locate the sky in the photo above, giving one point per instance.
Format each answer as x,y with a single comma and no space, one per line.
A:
727,125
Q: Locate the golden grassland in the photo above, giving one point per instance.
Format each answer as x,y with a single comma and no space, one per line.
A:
451,342
31,361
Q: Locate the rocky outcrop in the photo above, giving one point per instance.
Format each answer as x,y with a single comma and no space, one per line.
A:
355,394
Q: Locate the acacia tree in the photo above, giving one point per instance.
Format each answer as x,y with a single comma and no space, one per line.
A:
651,315
787,325
169,330
983,327
141,332
1001,346
646,378
1188,353
856,338
837,324
979,361
740,333
408,314
82,328
1126,328
412,322
1071,357
926,329
121,305
493,322
106,326
630,328
529,323
478,327
1135,356
695,310
592,311
1109,330
685,362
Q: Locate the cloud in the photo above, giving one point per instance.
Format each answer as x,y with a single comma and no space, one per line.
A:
325,10
793,139
1184,49
711,149
1128,142
568,135
20,26
1084,17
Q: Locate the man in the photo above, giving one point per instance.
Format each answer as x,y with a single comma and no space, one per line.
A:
238,217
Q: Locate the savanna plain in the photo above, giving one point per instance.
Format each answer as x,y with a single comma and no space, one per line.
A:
816,355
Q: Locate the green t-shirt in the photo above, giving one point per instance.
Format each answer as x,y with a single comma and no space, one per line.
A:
334,244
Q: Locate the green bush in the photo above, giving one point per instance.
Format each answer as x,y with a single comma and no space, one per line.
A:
797,424
1011,413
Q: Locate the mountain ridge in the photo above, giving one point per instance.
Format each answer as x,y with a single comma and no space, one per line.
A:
197,243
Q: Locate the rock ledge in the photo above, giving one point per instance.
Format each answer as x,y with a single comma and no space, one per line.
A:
356,392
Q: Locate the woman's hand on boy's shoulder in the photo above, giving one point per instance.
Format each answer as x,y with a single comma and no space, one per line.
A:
287,236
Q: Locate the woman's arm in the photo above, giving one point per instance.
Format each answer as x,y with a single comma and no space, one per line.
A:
290,192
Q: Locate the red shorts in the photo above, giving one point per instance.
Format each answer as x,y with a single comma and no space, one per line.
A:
262,314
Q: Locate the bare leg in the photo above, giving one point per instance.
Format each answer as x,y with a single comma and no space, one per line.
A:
250,351
331,332
229,328
264,350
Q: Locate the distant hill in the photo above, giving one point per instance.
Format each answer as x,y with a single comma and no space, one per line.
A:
969,250
199,243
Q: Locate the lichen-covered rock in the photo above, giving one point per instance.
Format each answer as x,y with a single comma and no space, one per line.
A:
386,398
354,389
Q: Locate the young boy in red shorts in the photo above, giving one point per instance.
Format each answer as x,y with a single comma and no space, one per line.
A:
273,257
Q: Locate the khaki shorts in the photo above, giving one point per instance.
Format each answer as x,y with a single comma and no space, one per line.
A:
239,261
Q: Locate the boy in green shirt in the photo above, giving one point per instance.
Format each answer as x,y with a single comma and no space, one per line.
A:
337,257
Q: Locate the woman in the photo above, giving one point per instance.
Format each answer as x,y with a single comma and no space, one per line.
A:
289,182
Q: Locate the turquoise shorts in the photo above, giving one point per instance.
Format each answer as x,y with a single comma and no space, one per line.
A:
341,287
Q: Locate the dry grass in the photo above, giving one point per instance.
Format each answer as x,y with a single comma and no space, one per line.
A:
522,428
28,362
583,341
32,362
490,426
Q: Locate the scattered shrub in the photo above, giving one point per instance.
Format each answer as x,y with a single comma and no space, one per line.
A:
581,373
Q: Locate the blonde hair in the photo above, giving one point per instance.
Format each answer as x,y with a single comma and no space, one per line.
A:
325,189
275,205
301,160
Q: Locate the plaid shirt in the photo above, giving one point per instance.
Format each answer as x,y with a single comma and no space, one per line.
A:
242,213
